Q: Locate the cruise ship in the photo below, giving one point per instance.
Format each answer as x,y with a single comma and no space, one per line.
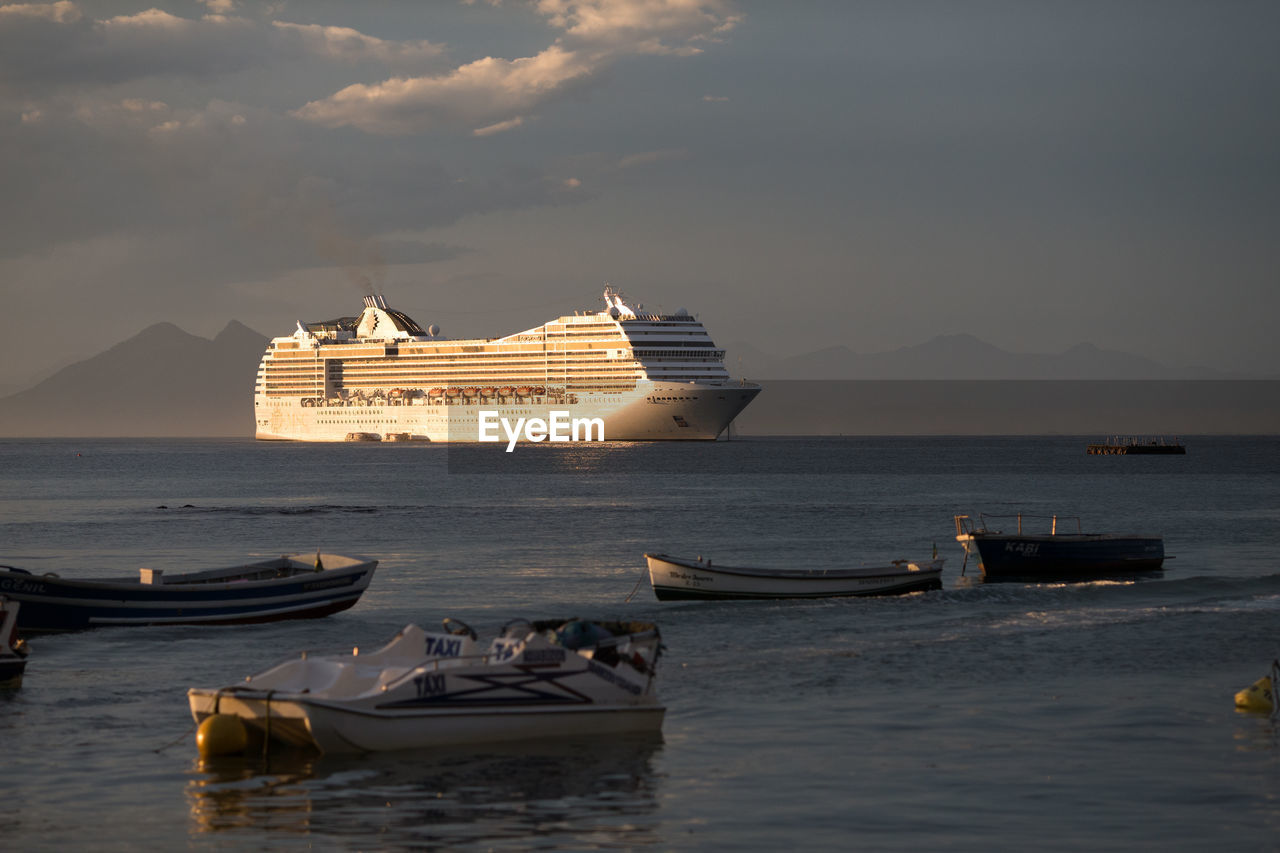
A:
382,377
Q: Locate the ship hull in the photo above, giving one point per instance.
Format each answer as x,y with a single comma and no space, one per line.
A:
655,411
1064,556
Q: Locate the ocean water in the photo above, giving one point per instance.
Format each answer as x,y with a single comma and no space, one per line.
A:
980,716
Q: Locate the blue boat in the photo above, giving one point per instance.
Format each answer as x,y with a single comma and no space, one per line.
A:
1055,555
299,586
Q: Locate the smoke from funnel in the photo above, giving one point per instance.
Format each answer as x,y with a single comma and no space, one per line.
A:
359,257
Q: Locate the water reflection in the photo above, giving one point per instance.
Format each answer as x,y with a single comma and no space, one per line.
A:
598,792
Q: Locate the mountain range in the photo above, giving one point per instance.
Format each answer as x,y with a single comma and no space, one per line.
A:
161,382
167,382
958,357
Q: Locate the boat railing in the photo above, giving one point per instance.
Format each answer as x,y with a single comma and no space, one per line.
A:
433,665
420,667
968,526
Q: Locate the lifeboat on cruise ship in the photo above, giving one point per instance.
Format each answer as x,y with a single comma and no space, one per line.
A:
395,393
506,391
538,391
453,392
524,391
471,391
436,392
488,391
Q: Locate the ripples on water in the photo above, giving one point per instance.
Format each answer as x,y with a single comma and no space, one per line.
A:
1057,716
565,794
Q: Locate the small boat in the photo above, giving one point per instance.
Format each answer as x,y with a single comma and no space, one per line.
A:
1055,555
299,586
679,578
425,689
1131,446
13,650
363,436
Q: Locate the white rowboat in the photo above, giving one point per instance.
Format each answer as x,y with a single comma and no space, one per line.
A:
677,577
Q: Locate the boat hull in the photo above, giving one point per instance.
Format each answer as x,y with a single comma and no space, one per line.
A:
675,578
1064,556
332,729
654,411
51,603
538,680
13,654
11,669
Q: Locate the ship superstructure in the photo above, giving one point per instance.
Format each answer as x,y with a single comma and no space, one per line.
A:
380,375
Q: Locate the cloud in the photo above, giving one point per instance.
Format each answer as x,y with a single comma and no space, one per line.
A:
60,48
500,127
349,45
641,26
46,47
486,92
62,12
494,94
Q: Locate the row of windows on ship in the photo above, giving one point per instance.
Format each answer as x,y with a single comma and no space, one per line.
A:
452,419
442,396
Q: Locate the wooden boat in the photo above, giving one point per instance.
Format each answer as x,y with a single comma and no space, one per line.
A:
1053,554
299,586
13,651
679,578
534,680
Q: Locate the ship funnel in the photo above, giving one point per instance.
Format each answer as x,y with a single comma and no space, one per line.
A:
376,300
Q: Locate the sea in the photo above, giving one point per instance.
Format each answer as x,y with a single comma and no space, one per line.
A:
980,716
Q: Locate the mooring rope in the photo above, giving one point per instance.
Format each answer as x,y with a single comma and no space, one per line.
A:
636,588
179,740
266,738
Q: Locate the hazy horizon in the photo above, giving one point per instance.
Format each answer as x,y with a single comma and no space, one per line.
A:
801,176
775,366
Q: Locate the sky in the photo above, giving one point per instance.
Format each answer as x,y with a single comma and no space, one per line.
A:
800,175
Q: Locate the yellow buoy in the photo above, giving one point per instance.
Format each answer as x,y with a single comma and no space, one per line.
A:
221,734
1256,697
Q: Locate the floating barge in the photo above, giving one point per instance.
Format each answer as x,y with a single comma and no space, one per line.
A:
1130,446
